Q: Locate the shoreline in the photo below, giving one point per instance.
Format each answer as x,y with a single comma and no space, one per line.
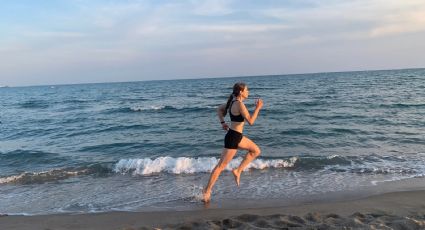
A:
404,209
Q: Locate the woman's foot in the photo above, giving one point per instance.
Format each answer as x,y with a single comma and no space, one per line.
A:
206,196
237,176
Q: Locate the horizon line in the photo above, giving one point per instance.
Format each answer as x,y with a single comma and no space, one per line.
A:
200,78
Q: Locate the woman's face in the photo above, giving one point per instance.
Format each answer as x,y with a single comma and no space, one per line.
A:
245,92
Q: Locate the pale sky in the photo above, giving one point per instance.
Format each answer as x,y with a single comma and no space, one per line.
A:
82,41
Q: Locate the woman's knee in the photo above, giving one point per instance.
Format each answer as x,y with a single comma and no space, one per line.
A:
256,151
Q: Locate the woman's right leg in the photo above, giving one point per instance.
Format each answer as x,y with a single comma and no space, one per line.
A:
253,152
226,157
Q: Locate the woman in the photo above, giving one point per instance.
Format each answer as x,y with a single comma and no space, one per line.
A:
234,139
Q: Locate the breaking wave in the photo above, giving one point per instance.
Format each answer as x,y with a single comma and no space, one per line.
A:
185,165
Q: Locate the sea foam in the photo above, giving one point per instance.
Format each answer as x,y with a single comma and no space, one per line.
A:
185,165
42,177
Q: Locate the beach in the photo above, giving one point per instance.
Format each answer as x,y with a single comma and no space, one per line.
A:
397,210
130,115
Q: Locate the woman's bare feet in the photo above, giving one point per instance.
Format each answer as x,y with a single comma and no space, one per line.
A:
207,196
237,176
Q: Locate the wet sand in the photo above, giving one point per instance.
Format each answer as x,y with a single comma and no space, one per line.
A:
397,210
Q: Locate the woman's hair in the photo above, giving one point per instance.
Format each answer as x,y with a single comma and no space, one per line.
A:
237,88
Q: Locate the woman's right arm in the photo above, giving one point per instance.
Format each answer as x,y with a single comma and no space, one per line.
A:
220,113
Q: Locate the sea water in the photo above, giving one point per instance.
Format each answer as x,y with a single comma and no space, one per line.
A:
147,145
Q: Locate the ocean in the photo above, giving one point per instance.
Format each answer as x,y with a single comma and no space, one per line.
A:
151,145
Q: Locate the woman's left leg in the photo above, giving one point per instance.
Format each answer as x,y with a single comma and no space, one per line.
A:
226,156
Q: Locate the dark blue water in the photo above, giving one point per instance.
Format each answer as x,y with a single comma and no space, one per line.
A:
128,146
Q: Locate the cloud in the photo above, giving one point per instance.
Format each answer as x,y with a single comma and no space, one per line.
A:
201,37
248,28
361,19
53,34
406,18
110,14
212,7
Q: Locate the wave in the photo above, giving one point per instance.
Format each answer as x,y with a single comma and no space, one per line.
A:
74,104
152,107
109,129
263,88
123,127
125,99
310,103
377,169
39,177
385,170
171,108
337,117
320,162
185,165
34,104
159,108
35,132
29,157
78,101
376,164
409,165
371,164
328,132
54,175
402,105
110,148
299,131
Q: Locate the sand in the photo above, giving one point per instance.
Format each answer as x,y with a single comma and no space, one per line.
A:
397,210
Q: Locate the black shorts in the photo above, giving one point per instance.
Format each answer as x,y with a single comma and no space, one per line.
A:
232,139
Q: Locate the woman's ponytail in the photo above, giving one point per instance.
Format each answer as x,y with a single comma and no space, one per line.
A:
228,104
237,88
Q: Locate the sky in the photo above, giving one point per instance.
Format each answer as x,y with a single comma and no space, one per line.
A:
87,41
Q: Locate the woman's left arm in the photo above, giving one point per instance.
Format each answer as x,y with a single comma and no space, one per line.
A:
245,113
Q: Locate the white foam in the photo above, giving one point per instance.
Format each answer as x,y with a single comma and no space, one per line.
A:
395,178
138,108
58,173
185,165
332,156
9,179
152,107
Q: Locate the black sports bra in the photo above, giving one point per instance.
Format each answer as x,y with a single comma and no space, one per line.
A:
238,118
